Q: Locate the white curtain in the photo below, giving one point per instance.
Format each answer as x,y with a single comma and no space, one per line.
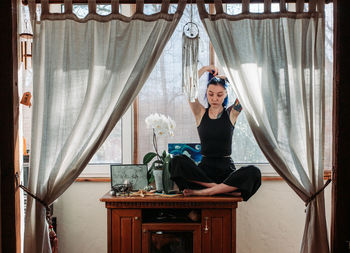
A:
275,62
86,74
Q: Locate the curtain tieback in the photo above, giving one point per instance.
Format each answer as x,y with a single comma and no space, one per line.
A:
313,196
48,209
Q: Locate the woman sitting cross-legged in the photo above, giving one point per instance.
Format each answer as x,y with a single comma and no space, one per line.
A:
216,173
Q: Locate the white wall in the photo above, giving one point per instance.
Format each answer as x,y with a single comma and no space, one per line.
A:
82,218
272,221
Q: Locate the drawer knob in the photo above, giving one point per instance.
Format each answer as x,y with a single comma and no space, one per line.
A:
206,228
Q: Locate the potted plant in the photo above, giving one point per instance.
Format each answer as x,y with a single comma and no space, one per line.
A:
159,169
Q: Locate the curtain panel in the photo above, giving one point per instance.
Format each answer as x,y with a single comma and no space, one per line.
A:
86,73
275,63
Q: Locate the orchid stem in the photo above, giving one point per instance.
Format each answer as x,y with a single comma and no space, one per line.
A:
155,144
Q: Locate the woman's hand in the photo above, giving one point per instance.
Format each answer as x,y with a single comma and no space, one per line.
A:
235,110
209,68
237,106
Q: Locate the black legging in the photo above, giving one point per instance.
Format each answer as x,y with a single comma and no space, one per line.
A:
183,170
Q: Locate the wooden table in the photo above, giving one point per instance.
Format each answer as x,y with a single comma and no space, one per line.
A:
130,228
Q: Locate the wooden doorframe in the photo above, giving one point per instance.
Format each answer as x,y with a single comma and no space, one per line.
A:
340,230
9,164
9,225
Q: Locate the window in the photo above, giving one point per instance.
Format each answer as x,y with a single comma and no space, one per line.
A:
164,86
329,85
162,94
81,10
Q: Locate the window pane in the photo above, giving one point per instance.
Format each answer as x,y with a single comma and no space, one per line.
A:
82,10
103,9
234,9
329,85
162,93
256,8
111,149
151,8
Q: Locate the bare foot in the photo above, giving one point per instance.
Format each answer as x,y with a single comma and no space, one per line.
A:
190,192
207,192
208,185
187,192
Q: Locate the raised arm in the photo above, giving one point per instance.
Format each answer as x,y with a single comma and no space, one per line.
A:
235,110
196,107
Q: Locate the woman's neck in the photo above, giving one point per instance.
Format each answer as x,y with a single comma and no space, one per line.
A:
216,109
215,112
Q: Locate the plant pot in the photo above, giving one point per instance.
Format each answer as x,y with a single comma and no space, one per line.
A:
158,179
168,184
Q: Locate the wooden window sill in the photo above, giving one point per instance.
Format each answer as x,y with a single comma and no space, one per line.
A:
327,175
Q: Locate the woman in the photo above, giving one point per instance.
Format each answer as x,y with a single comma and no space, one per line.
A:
216,173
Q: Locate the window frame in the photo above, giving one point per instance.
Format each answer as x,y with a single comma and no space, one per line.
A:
101,170
129,128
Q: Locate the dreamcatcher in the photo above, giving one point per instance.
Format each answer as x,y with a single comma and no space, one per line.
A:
190,43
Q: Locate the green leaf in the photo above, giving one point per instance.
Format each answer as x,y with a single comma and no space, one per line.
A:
164,154
148,157
150,177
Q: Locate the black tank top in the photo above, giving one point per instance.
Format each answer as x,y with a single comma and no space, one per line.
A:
216,135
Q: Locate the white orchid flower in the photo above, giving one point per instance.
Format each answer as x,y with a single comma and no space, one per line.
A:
161,124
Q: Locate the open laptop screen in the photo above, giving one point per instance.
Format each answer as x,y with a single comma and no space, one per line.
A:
136,174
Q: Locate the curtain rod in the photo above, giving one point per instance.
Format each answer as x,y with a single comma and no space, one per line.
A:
25,2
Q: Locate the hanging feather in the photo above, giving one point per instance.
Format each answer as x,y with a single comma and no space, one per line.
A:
190,43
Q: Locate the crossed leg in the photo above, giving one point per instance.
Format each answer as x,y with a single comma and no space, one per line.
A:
208,185
212,189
